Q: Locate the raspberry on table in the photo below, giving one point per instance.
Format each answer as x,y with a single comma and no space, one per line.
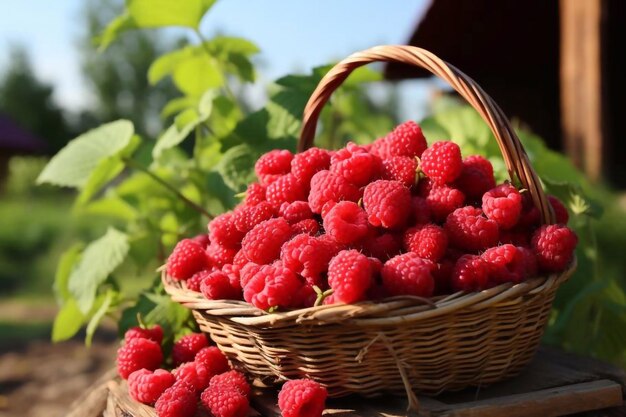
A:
217,286
429,241
400,168
554,246
561,213
308,226
273,165
179,400
195,374
408,274
382,247
442,162
146,386
470,273
295,211
154,333
346,222
286,189
476,177
302,398
503,204
272,286
185,348
220,255
223,230
443,200
213,360
508,263
308,256
232,379
225,401
358,168
136,354
350,275
262,244
187,258
468,229
246,217
328,186
306,164
406,139
421,211
255,193
387,203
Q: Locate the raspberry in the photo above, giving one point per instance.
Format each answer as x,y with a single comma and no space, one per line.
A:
408,274
476,177
232,272
255,193
272,286
429,242
217,286
506,264
295,212
308,256
154,333
225,401
232,379
503,204
146,387
406,139
187,258
308,226
306,164
240,260
247,272
222,230
246,217
358,169
195,281
470,273
137,354
262,244
328,186
350,276
273,165
179,400
202,239
387,203
213,360
554,246
562,216
424,186
421,211
382,247
302,398
221,255
517,236
286,189
185,349
306,297
194,374
468,229
442,162
443,200
400,168
328,206
346,222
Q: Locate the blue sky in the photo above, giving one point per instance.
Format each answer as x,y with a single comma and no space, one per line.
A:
292,35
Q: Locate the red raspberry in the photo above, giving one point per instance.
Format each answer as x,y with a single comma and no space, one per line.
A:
262,244
429,242
468,229
442,276
187,258
506,264
232,272
255,193
327,186
470,273
328,206
442,162
240,260
273,165
179,400
476,177
195,281
406,139
247,272
400,168
246,217
306,164
220,255
358,169
286,189
308,226
306,297
302,398
272,286
202,239
185,349
308,256
382,247
154,333
346,222
350,276
424,185
408,274
137,354
562,216
387,203
295,212
225,401
217,286
443,200
554,246
232,379
223,230
194,374
503,204
146,387
213,360
517,236
421,211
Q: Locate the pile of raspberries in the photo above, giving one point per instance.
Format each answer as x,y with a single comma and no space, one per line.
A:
391,218
201,378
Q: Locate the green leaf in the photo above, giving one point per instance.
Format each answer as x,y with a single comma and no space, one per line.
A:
197,74
107,170
183,125
155,309
69,258
177,105
113,207
237,166
98,315
159,13
117,26
167,63
73,165
67,322
99,259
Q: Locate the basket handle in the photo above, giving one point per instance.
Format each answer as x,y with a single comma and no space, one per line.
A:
512,150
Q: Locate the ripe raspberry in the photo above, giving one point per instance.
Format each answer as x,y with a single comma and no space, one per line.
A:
328,186
225,401
187,258
247,272
476,177
194,374
400,168
232,272
185,349
503,204
424,185
308,226
308,256
302,398
220,255
154,333
146,387
262,244
213,360
179,400
382,247
137,354
305,297
408,274
306,164
328,206
246,217
508,263
387,203
421,211
406,139
202,239
468,229
470,273
240,260
286,189
273,165
217,286
443,200
554,246
255,193
429,242
442,162
195,281
272,286
350,275
232,379
346,222
295,212
222,230
358,169
562,216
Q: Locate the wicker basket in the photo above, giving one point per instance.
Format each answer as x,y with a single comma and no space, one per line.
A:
403,344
